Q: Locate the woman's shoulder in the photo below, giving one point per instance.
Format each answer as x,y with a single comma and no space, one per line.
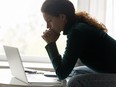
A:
85,27
82,28
79,28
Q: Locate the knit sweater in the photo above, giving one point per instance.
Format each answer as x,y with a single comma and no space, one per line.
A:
95,48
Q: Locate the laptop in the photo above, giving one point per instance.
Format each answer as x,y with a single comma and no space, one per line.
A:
18,70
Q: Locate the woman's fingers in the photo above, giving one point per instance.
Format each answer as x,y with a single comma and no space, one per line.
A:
50,36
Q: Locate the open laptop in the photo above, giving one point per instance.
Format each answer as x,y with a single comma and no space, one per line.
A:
18,70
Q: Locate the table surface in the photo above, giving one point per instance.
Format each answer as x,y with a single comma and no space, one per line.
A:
7,80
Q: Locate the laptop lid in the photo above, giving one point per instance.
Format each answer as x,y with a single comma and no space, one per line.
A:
17,70
15,63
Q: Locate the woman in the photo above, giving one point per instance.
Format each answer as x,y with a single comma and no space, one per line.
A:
86,39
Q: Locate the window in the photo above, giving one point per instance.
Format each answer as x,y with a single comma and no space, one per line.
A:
21,25
103,10
111,17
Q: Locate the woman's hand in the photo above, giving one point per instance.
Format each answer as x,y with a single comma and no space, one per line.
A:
50,36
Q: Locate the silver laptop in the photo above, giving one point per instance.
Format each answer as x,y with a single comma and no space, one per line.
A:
17,70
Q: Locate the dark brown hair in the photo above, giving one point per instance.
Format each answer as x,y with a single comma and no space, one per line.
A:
84,16
56,7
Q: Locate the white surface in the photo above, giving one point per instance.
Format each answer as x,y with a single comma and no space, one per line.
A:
8,80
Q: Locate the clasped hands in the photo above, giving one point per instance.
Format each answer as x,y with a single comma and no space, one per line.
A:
50,35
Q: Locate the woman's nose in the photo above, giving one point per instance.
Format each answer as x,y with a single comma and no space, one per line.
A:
48,25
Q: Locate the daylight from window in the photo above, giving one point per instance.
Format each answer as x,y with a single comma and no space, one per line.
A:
22,24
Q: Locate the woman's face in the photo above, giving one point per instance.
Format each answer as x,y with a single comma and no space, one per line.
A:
56,23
